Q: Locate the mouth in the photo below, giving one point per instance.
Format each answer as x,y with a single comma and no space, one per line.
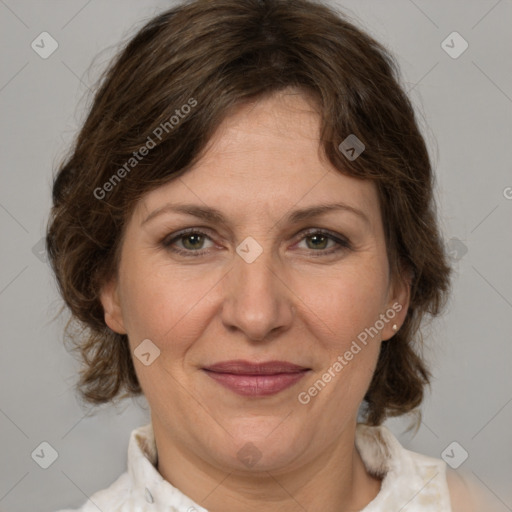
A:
256,379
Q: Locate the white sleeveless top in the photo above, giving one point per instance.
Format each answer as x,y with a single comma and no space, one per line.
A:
411,482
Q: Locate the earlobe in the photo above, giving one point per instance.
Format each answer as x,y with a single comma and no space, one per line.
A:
109,298
397,307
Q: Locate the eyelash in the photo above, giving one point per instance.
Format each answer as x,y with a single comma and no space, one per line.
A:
342,244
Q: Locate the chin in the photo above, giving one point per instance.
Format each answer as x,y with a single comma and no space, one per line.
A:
263,444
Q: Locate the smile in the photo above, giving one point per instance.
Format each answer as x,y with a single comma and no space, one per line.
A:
256,379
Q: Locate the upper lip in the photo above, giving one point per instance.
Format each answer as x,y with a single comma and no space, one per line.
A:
242,367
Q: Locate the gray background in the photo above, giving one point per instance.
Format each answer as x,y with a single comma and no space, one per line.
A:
465,107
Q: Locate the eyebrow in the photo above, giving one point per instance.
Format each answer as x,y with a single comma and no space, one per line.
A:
211,214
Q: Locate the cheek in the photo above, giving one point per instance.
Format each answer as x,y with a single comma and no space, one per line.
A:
343,311
349,354
347,302
163,304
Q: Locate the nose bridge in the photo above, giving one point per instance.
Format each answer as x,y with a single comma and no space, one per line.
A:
256,300
255,267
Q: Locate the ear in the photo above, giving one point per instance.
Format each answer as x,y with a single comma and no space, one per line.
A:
109,297
397,304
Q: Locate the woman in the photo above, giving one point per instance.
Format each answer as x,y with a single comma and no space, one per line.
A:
246,229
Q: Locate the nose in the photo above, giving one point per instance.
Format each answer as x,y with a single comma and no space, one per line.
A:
256,299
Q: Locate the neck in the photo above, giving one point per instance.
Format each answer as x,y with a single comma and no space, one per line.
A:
335,481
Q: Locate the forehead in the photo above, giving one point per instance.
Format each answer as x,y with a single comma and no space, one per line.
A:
265,156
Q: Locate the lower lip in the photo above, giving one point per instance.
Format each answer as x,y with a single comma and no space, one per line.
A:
256,385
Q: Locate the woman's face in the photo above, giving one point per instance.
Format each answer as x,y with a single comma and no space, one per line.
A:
257,282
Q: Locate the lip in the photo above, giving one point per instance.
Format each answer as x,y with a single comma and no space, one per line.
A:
256,379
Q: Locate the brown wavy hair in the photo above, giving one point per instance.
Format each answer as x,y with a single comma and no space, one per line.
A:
220,54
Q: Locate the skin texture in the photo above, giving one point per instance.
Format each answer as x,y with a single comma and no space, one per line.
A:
294,303
468,495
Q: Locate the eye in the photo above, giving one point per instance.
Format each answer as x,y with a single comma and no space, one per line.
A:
191,242
319,239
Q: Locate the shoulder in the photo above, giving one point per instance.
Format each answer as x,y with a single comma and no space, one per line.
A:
467,494
460,495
